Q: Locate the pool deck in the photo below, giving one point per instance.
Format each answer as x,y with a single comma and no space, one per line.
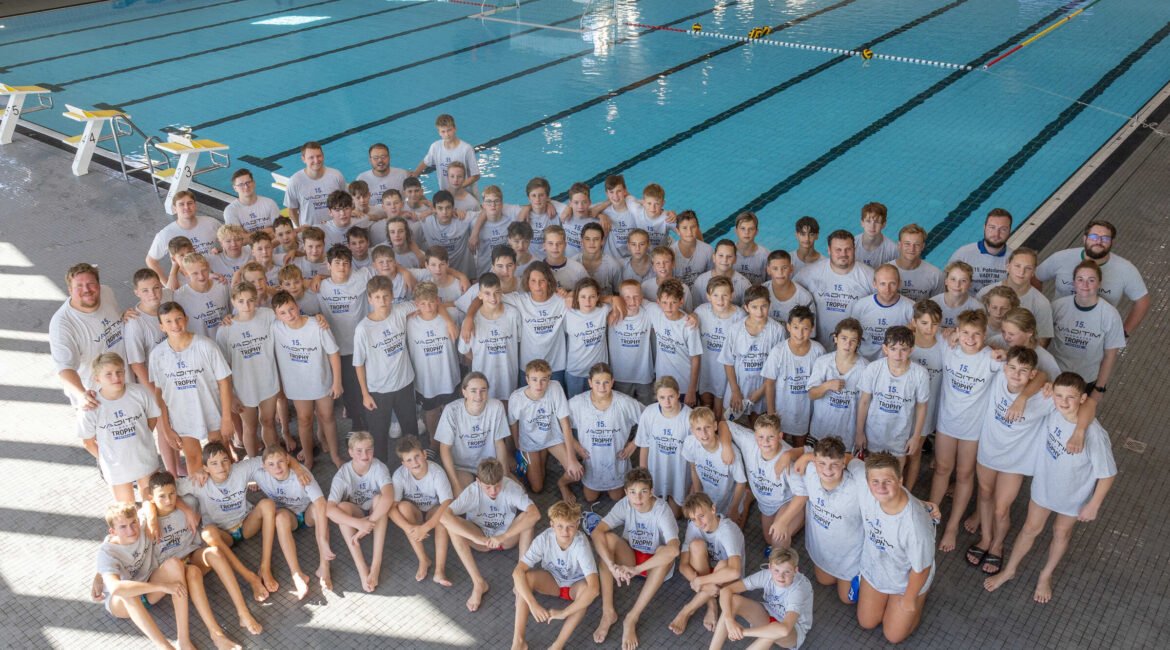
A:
1111,588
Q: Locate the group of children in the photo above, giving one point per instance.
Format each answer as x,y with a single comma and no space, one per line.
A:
680,378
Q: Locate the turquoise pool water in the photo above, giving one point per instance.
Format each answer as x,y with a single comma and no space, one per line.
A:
723,125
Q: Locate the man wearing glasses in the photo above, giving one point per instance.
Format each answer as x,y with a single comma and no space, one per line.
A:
1119,276
381,177
250,211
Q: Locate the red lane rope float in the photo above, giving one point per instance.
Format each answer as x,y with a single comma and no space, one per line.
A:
1058,23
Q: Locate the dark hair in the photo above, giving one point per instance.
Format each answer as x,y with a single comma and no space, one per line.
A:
357,232
442,196
339,200
840,234
830,446
161,478
520,229
214,448
802,312
899,335
809,224
489,280
756,292
339,252
503,250
168,307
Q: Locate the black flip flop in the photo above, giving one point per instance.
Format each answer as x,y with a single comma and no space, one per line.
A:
974,551
993,561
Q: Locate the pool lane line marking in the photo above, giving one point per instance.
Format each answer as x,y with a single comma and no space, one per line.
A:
1000,176
799,176
229,46
268,162
675,139
1037,36
144,39
308,57
118,23
813,48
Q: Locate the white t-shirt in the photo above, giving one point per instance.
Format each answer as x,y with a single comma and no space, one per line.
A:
1082,336
963,393
359,490
439,157
539,421
921,282
189,384
142,334
311,269
770,489
227,266
876,318
224,505
835,413
425,493
951,314
630,273
542,331
493,516
717,478
308,196
248,347
603,434
713,333
204,310
344,305
567,565
495,350
739,285
663,439
380,347
134,562
779,601
77,338
834,292
539,222
689,268
645,531
452,236
1064,482
491,234
753,267
724,543
302,357
1035,302
674,345
573,228
621,224
778,310
1010,446
1118,276
608,273
202,236
832,532
472,437
176,539
990,268
433,356
632,358
895,544
587,334
126,447
747,354
650,292
568,274
932,360
288,493
886,251
379,184
791,374
251,218
890,420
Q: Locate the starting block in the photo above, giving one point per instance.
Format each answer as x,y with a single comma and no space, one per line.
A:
90,136
280,183
15,108
188,150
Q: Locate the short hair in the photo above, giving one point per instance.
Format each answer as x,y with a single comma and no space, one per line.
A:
660,251
883,460
975,317
554,230
311,144
1001,291
259,236
379,283
1071,380
393,192
665,381
578,188
601,368
1024,250
108,359
191,259
638,475
490,471
672,288
456,164
701,414
437,252
339,252
243,286
176,244
1022,318
168,307
654,191
724,243
754,293
407,444
928,307
564,511
784,555
472,376
539,267
848,325
289,272
442,196
1088,264
121,510
998,212
182,194
830,447
339,200
281,221
802,312
593,226
809,224
313,233
425,291
444,120
899,335
961,266
214,448
537,183
888,267
230,230
243,171
142,275
767,421
521,229
686,215
357,232
253,267
537,365
840,234
585,283
1024,355
630,283
273,450
503,250
614,180
410,182
489,280
282,298
1102,224
378,145
911,229
779,254
718,281
639,232
874,208
380,251
747,217
696,501
359,436
159,479
493,190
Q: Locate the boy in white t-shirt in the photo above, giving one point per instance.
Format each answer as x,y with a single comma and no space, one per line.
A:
712,558
382,363
539,417
783,293
677,346
233,254
630,346
298,505
807,233
431,343
246,342
784,618
205,300
422,493
692,255
446,149
786,375
360,499
119,432
447,229
751,259
566,570
894,393
491,514
881,310
724,482
249,210
873,247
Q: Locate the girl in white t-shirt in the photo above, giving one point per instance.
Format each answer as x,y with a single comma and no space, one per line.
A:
662,429
471,429
957,298
120,431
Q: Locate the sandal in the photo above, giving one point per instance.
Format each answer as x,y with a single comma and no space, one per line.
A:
976,556
993,562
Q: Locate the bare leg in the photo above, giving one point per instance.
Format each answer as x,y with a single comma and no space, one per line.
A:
696,558
536,471
964,485
609,614
871,606
985,504
250,419
1007,487
654,580
328,425
170,455
461,532
411,513
897,623
945,448
376,553
912,469
558,452
1033,526
286,522
199,597
354,546
1061,533
267,417
214,559
305,410
570,624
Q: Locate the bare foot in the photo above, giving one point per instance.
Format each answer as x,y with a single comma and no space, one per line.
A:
371,581
269,580
476,598
523,645
971,524
222,642
185,644
301,585
996,581
441,579
1043,591
608,618
250,624
97,591
290,444
679,624
259,591
629,634
306,459
568,497
423,567
711,618
363,577
324,578
337,460
948,541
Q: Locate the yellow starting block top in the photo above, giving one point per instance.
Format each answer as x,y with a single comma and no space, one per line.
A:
186,146
5,89
82,115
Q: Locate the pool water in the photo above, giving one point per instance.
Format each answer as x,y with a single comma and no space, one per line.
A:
722,125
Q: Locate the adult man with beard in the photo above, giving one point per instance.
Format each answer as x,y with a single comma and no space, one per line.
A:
85,327
1119,275
989,257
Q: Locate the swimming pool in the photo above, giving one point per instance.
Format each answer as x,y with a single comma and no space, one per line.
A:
723,125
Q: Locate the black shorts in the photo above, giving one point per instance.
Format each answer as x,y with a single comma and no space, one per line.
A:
438,401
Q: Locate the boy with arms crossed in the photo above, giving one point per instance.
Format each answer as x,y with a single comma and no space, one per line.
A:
422,494
785,616
360,498
712,557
